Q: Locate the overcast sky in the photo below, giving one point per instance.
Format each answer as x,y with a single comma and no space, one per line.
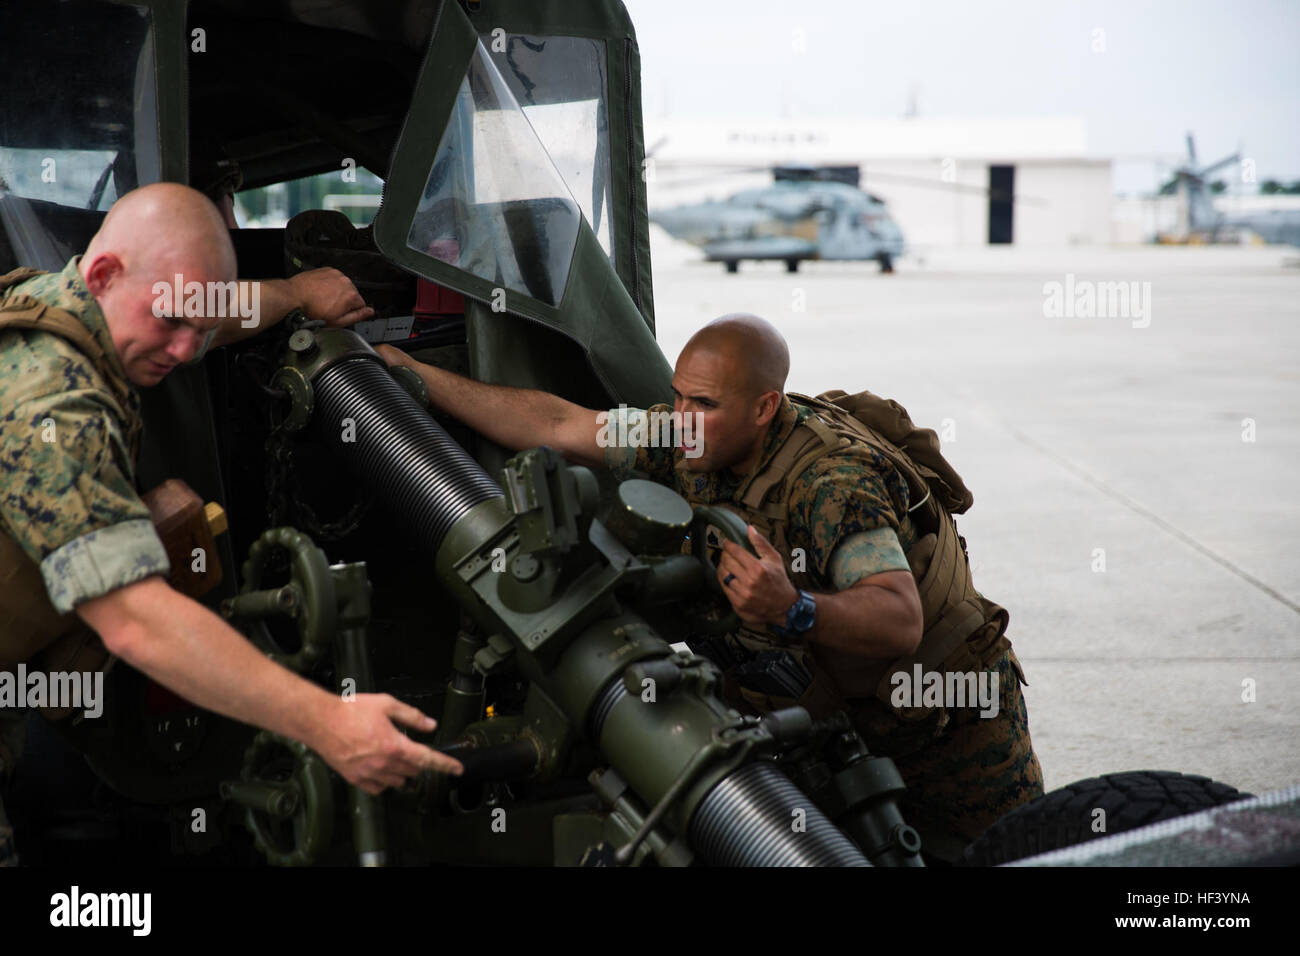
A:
1229,72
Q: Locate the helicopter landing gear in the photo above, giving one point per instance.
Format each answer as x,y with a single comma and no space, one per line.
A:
886,262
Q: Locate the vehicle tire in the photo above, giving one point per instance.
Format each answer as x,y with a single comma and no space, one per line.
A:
733,265
1065,817
886,262
791,265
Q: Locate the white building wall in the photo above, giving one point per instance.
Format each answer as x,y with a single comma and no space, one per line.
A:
943,202
1139,219
1063,203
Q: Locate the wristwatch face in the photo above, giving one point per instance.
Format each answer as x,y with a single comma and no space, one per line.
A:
801,616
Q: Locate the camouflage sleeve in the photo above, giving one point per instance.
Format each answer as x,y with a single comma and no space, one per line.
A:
68,501
639,440
842,495
863,554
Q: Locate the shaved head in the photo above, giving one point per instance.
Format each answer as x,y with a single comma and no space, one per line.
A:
166,228
155,239
731,376
752,347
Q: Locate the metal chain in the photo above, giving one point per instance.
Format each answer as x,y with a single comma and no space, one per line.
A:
283,508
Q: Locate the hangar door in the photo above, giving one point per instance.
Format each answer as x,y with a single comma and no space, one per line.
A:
1002,189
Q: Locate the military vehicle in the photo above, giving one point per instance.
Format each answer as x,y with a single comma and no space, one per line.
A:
809,212
538,610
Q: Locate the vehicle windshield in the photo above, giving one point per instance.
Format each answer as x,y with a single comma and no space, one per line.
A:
78,122
494,203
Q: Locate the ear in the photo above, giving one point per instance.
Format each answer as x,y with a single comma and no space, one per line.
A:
768,405
103,271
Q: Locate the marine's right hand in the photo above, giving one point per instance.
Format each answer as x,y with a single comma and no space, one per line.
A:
361,742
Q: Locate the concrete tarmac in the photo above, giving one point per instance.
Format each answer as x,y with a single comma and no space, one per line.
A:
1137,496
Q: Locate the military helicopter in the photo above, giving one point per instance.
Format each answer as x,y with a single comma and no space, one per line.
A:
809,212
1273,226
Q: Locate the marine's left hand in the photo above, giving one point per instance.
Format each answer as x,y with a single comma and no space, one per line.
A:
760,593
329,295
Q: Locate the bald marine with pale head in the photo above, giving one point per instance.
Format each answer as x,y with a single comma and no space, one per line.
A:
732,374
154,234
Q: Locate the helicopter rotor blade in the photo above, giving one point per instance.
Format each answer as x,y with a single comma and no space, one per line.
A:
1226,161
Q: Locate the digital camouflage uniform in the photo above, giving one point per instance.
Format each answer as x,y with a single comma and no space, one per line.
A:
70,518
962,771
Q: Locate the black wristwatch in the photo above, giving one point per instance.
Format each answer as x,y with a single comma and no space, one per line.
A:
799,619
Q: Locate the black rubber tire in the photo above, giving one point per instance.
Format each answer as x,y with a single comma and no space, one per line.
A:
733,265
791,265
886,262
1064,817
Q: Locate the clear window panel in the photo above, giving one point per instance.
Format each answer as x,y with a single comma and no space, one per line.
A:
494,203
561,83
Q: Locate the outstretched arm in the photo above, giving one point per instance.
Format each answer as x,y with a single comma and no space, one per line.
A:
185,647
516,418
325,294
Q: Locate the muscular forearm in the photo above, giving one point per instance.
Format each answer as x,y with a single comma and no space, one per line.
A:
859,627
867,621
516,418
325,294
187,648
184,646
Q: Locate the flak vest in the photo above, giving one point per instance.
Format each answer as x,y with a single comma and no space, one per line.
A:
29,624
961,630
